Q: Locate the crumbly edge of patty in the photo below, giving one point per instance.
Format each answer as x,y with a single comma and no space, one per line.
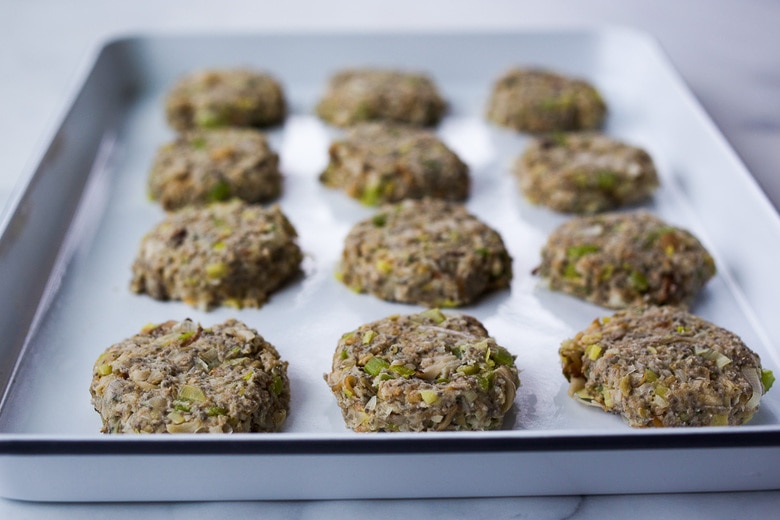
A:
229,253
664,367
585,173
621,259
380,163
204,166
178,377
423,372
429,252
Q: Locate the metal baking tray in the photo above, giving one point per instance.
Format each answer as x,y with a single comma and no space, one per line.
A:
71,232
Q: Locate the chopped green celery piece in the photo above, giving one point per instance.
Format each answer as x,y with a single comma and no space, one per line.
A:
403,370
638,281
219,192
218,246
383,266
483,383
482,251
104,369
467,370
719,420
184,336
650,376
191,393
368,337
577,252
217,270
208,119
344,354
429,396
767,379
277,385
248,375
606,179
375,365
371,195
379,220
457,351
502,356
661,391
213,411
198,142
181,406
570,271
593,351
434,314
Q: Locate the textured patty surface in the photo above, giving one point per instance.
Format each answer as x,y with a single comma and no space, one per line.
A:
533,100
177,377
585,173
662,366
225,97
422,372
358,95
203,166
379,162
429,252
228,253
621,259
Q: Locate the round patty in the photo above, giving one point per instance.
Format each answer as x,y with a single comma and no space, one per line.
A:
621,259
429,252
422,372
585,173
228,253
219,98
178,377
533,100
359,95
662,366
380,162
203,166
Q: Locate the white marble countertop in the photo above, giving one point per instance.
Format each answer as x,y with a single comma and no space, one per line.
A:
725,50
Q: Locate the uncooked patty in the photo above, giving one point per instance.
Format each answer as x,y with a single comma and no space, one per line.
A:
662,366
534,100
203,166
228,253
621,259
178,377
380,162
585,173
357,95
429,252
220,98
422,372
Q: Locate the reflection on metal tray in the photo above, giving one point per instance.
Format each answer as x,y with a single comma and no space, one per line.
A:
69,241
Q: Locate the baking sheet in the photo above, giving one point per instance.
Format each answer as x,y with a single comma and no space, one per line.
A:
85,305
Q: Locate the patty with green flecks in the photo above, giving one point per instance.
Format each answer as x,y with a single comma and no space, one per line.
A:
429,252
380,162
225,97
662,366
204,166
621,259
534,100
585,173
422,372
178,377
227,253
359,95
